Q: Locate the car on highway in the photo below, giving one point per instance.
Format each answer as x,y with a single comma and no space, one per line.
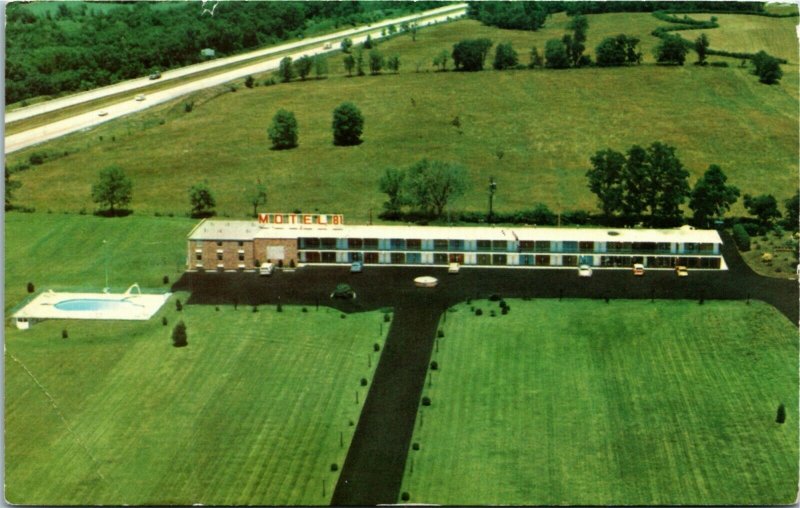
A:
327,45
584,271
155,75
139,97
356,267
681,271
638,269
102,113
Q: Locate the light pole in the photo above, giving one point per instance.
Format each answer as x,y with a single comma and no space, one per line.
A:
492,189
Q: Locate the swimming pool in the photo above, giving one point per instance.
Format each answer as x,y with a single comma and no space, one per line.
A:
96,304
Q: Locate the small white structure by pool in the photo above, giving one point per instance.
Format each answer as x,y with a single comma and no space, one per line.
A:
117,306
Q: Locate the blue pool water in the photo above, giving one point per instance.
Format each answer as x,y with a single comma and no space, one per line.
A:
91,304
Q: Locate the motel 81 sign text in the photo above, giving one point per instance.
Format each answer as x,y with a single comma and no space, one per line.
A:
308,219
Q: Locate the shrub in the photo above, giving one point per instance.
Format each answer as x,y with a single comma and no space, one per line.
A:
188,107
440,333
343,316
216,308
415,446
363,381
255,309
304,310
249,82
334,467
478,312
718,64
387,318
492,313
31,287
504,311
179,338
165,279
278,308
405,496
64,334
495,298
178,305
164,321
36,158
781,416
376,347
426,401
434,365
741,237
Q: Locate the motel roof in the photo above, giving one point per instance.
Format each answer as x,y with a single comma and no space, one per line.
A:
250,230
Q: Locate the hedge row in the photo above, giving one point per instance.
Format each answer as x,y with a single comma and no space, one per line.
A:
741,237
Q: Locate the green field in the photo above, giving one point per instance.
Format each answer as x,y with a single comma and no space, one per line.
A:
547,123
251,412
629,403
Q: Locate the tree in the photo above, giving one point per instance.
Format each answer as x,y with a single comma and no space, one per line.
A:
202,200
393,63
763,207
349,64
440,60
376,61
320,66
249,82
792,221
780,417
711,198
431,185
359,62
391,184
303,66
576,43
348,124
536,59
285,69
11,186
767,68
179,338
555,54
346,44
368,42
605,180
504,57
470,54
701,47
671,50
617,51
256,196
283,131
114,189
669,178
637,191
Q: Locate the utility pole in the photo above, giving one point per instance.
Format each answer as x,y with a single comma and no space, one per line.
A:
492,189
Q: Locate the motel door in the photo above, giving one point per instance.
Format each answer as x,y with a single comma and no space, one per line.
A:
586,260
457,258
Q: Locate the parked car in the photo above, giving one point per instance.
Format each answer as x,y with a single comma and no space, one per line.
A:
266,269
681,271
638,269
584,271
102,113
453,268
327,45
343,291
155,75
140,97
356,267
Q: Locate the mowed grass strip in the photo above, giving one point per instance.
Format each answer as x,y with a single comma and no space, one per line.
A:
547,124
249,413
581,402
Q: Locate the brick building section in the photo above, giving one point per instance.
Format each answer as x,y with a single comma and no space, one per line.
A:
289,249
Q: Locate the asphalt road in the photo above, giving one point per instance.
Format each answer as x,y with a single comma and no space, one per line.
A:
127,106
373,470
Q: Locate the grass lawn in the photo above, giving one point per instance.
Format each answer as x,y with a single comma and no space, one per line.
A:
251,412
547,123
583,402
782,249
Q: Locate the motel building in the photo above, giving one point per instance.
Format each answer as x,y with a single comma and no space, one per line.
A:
319,239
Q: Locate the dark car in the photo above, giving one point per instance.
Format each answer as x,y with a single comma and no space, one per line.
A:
155,75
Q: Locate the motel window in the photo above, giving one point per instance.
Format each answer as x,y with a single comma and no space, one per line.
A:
440,245
499,245
309,243
370,257
199,256
526,259
398,258
397,244
241,244
328,257
484,259
219,256
456,245
644,246
484,245
499,259
526,246
414,244
569,246
414,258
569,260
354,243
328,243
586,246
219,244
371,243
312,257
440,259
542,246
706,247
689,247
614,246
241,256
663,247
456,258
543,260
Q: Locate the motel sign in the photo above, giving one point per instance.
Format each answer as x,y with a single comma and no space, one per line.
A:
306,219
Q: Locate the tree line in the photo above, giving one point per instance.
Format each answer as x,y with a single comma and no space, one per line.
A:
81,47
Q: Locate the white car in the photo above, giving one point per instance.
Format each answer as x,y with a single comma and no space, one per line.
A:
266,269
638,269
102,113
453,268
140,97
584,271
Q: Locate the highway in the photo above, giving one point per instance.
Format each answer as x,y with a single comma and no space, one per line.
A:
310,47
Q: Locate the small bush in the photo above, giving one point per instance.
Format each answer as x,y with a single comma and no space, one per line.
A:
351,423
164,321
255,309
440,333
343,316
64,334
179,338
279,308
434,365
504,311
188,107
387,318
495,298
31,287
415,446
781,416
405,496
426,401
376,347
492,313
334,467
165,280
363,381
304,310
741,237
478,312
216,308
178,305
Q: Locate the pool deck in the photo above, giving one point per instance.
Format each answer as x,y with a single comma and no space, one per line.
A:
139,307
